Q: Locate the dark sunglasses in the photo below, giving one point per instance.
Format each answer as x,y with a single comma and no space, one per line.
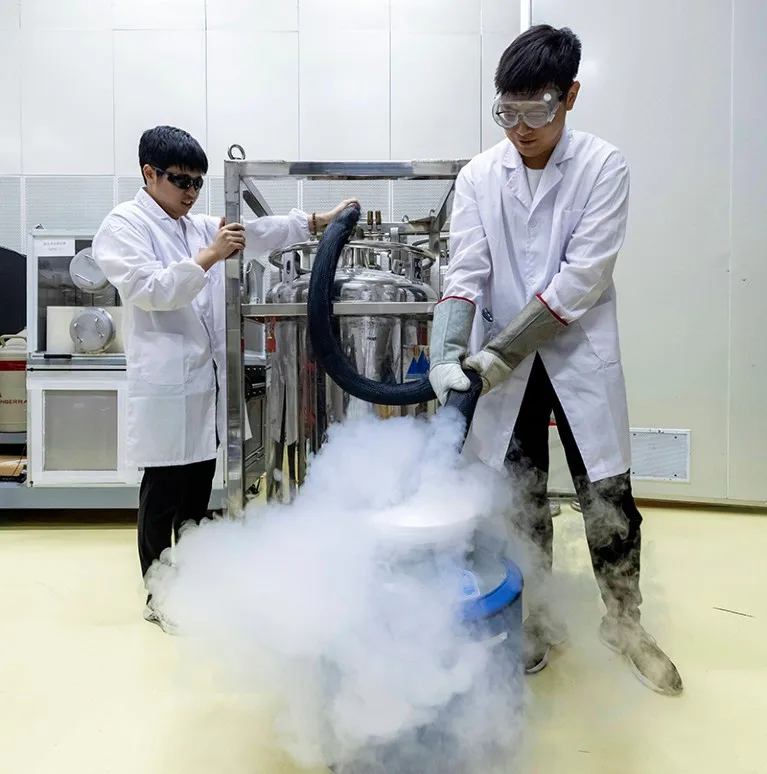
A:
182,181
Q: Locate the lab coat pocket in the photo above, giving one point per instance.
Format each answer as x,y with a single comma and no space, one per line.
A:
601,329
162,359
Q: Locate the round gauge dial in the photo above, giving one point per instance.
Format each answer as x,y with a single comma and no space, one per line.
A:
85,272
92,330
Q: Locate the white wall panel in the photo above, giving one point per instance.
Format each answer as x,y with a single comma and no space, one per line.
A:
501,17
344,100
252,16
66,14
10,102
10,14
748,278
493,45
159,14
672,274
67,103
435,95
263,117
436,16
318,15
163,88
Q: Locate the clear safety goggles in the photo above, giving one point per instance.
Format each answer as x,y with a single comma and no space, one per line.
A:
535,114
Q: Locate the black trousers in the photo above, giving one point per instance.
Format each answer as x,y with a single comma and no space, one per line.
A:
611,518
169,497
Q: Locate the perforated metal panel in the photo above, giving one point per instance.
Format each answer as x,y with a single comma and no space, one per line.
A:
128,187
323,195
416,198
660,455
68,203
280,195
201,205
216,204
10,214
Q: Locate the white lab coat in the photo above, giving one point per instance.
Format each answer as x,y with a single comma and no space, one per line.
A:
174,324
508,247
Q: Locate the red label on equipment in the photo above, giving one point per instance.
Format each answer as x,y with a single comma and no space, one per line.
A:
271,342
13,365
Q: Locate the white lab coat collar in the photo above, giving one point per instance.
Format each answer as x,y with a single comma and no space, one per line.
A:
143,199
517,182
177,229
563,152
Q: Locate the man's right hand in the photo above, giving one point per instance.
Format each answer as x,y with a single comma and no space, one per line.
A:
229,239
448,376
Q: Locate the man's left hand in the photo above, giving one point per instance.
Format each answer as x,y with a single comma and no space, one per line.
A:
490,367
325,218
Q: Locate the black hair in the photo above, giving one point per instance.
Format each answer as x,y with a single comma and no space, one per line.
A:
540,57
166,146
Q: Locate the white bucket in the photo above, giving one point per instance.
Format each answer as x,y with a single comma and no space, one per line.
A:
13,383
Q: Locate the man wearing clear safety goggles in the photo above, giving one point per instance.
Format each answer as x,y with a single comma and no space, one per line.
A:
534,113
529,304
534,124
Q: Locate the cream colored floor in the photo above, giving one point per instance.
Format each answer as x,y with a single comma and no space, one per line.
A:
86,686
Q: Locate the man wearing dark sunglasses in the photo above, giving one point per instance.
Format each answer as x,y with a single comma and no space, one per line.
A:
166,264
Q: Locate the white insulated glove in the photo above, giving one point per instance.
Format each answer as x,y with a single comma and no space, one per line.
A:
490,367
448,376
450,331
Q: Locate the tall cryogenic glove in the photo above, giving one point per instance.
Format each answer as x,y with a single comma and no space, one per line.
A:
450,331
535,325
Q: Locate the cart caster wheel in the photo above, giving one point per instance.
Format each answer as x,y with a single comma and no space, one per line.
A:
555,507
575,504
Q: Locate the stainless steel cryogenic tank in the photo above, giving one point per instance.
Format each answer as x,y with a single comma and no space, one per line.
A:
387,341
387,283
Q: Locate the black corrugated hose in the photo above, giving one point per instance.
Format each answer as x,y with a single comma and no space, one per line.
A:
326,341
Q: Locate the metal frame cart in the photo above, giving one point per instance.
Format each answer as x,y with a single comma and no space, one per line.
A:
241,184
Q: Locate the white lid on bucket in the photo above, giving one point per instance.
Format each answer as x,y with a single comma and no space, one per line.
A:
13,346
425,523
